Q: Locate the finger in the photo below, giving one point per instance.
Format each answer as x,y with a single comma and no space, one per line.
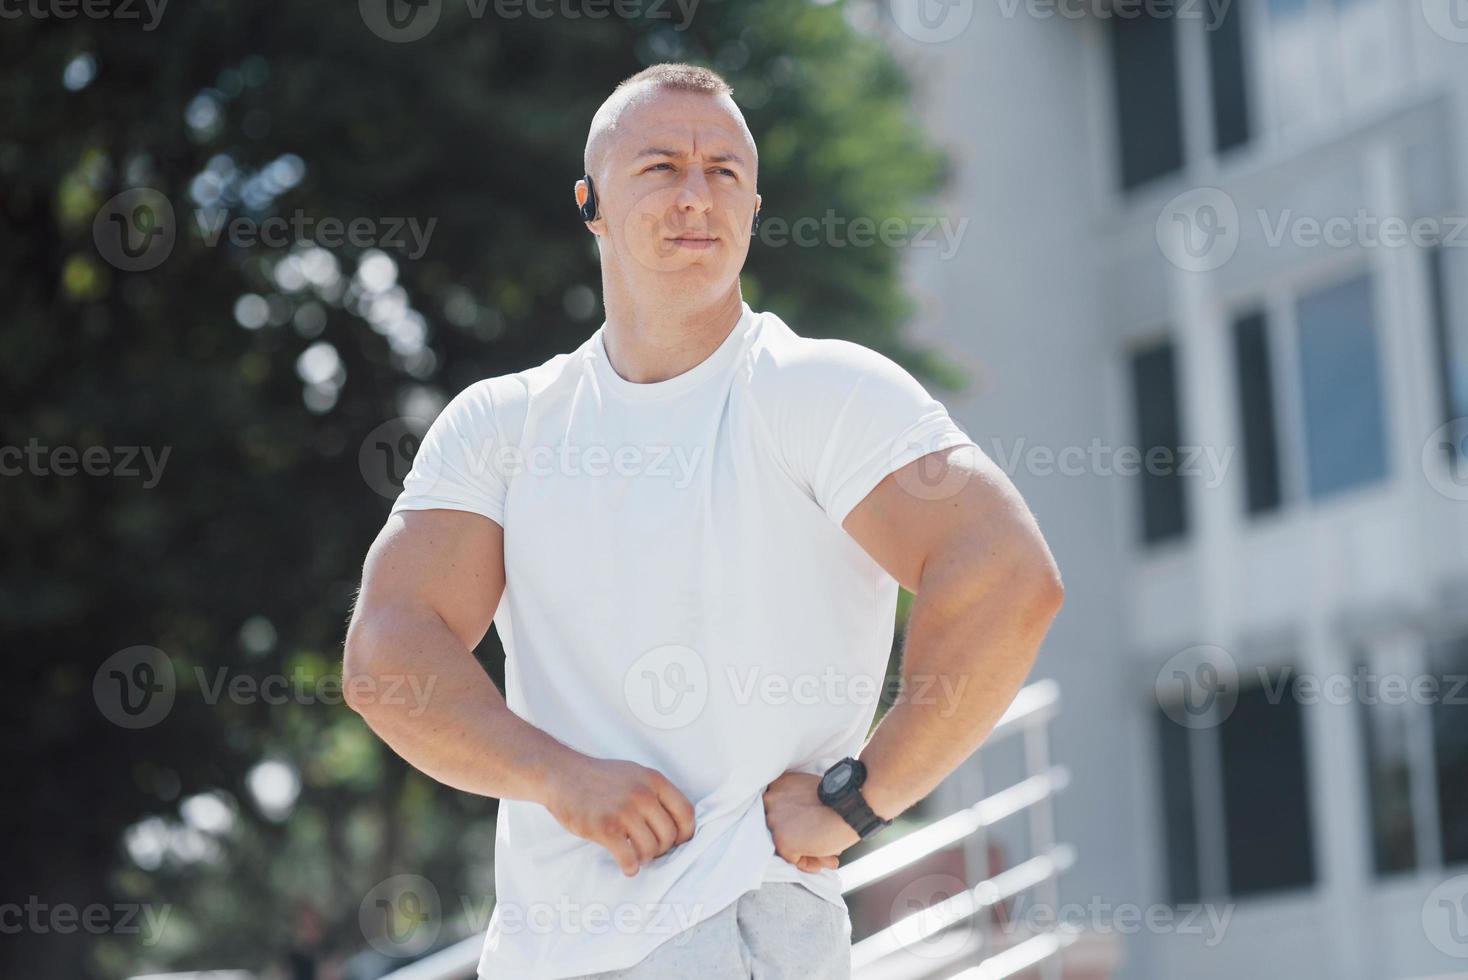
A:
644,841
678,808
621,848
660,822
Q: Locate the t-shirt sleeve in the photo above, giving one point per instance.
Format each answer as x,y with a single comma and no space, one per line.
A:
858,417
457,464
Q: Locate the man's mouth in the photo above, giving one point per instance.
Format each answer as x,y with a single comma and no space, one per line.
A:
693,240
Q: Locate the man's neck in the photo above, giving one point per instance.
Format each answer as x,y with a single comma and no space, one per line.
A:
647,343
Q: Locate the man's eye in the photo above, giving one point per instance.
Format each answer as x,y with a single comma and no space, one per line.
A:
657,165
724,170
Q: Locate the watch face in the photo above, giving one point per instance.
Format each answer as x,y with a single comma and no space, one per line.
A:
837,778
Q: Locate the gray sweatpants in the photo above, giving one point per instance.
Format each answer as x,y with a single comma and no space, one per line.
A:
779,931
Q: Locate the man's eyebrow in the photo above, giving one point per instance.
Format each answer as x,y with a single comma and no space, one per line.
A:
662,151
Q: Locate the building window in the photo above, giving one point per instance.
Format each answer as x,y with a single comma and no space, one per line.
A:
1255,384
1155,404
1179,820
1340,385
1253,762
1228,75
1266,806
1145,84
1449,664
1386,741
1325,57
1450,326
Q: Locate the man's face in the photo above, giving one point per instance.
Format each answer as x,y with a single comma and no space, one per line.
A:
676,192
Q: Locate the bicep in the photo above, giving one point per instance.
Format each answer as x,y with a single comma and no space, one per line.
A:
448,561
955,498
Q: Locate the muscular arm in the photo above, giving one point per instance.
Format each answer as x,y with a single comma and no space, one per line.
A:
431,584
986,589
951,528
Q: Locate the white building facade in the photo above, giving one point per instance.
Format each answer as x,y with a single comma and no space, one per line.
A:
1233,236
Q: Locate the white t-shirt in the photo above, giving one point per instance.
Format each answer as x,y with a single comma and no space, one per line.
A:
680,593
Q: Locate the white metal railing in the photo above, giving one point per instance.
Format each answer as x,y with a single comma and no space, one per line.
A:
876,956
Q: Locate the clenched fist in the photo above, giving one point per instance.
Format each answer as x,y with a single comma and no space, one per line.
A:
631,810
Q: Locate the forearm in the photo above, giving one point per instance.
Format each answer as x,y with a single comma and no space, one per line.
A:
973,633
425,695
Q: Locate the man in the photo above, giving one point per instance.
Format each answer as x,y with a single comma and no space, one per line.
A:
690,533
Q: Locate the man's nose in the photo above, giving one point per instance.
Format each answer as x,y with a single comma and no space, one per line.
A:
694,191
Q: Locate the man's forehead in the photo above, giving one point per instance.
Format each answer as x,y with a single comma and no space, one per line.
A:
660,118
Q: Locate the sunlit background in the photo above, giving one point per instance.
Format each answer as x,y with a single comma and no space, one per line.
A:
1193,272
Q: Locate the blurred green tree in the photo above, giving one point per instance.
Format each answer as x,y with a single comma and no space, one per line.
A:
270,374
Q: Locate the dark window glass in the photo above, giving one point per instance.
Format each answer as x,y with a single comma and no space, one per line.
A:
1148,111
1256,413
1452,358
1389,784
1344,433
1154,392
1226,67
1265,790
1179,822
1450,746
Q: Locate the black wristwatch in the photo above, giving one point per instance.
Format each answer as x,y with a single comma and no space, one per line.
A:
840,789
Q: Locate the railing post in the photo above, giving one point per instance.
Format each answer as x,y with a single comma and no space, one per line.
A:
1042,833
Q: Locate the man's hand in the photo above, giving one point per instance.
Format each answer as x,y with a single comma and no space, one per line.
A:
808,834
631,810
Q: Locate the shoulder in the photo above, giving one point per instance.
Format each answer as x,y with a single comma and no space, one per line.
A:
502,401
786,367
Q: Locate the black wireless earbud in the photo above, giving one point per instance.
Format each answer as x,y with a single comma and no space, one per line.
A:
588,210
